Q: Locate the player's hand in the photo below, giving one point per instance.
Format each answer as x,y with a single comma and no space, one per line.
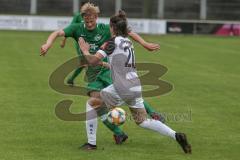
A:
63,42
44,49
83,45
106,65
152,46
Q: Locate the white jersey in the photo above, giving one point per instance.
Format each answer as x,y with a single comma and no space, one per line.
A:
120,52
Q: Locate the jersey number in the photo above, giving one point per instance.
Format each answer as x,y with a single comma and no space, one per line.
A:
131,58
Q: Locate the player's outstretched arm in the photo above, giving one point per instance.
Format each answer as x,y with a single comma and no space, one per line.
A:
45,47
147,45
92,59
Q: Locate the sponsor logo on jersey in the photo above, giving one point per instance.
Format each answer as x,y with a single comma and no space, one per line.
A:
93,47
97,37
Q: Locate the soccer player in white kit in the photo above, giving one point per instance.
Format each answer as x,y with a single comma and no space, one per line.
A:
126,87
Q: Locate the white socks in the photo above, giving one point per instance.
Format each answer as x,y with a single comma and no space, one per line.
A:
158,126
91,124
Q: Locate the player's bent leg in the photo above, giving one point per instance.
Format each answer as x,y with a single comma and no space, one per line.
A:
102,110
91,121
111,99
153,124
94,108
139,115
91,128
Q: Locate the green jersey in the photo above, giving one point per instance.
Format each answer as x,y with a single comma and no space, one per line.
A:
95,38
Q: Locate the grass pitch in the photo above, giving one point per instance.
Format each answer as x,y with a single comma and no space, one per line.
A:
204,70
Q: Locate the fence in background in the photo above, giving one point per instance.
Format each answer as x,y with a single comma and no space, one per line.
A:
146,26
160,9
50,23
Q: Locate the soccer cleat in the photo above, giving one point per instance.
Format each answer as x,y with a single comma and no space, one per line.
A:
158,117
181,138
70,82
88,146
119,139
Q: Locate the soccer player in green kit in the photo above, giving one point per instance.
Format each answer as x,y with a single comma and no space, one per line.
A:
98,76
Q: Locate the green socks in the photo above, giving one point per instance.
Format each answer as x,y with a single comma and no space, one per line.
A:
148,108
115,129
75,73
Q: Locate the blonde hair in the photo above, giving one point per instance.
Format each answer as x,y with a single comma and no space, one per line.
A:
90,8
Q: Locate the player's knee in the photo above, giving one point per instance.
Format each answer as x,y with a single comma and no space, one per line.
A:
139,115
95,102
139,120
95,94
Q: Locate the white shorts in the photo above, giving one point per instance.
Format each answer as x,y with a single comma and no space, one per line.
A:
110,96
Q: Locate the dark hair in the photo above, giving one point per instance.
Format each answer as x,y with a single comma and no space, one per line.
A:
119,24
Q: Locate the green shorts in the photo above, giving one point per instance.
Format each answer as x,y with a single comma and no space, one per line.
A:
103,80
